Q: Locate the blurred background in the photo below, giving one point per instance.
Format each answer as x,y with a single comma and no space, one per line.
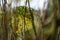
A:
29,19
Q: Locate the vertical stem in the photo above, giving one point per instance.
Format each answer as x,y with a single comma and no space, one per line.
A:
32,20
4,20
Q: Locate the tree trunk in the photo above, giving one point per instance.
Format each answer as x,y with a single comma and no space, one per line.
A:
4,21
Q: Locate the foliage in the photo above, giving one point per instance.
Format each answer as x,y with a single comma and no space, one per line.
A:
24,23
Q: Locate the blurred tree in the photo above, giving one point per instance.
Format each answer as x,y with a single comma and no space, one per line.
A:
4,21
